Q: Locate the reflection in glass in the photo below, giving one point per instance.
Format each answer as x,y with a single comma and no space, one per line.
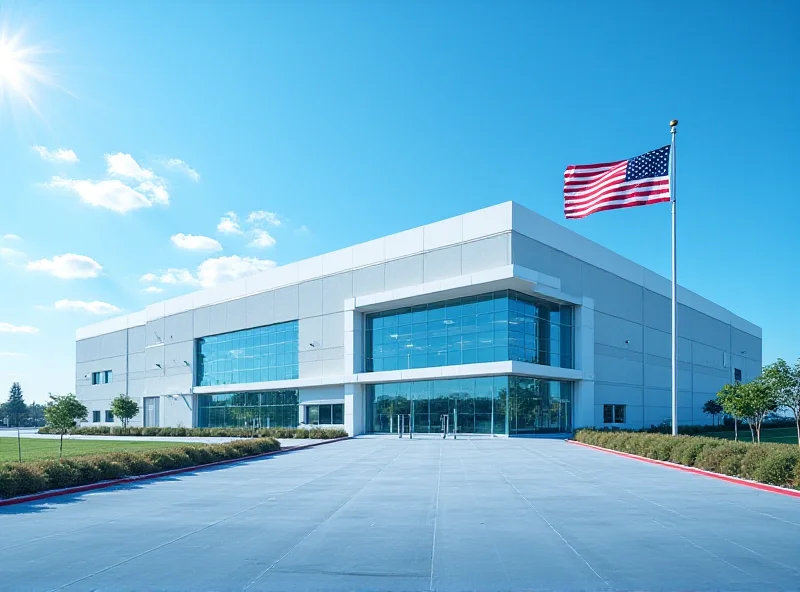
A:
259,410
252,355
500,326
486,405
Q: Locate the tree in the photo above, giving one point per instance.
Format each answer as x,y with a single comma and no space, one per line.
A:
729,399
63,413
712,408
125,408
784,381
752,401
15,407
36,414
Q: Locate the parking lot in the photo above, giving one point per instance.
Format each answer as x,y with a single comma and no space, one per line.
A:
425,514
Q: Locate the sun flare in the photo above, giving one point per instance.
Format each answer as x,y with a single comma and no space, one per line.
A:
20,71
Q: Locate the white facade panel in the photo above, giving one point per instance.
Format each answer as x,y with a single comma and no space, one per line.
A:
621,322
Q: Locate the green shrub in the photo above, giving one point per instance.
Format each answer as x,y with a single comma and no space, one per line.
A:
776,464
316,433
21,479
26,478
778,468
771,463
754,456
726,458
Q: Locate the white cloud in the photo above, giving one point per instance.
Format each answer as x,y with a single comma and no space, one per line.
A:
124,165
261,239
229,224
68,266
270,218
172,276
11,355
157,190
153,289
115,194
9,328
222,269
59,155
195,242
177,163
12,237
11,254
94,307
211,272
302,230
111,194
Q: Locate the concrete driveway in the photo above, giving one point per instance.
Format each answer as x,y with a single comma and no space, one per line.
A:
388,514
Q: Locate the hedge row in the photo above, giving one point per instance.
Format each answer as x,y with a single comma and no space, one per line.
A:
32,477
315,433
776,464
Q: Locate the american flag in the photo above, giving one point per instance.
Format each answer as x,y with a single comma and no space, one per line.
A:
638,181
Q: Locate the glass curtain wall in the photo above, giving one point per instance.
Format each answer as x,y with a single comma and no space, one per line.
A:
273,409
503,405
253,355
500,326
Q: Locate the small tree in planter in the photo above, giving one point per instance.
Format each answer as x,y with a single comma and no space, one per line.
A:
712,408
784,381
62,414
125,408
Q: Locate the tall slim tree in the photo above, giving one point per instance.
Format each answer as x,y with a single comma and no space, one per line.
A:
124,408
712,408
752,401
63,413
729,399
36,413
15,406
784,381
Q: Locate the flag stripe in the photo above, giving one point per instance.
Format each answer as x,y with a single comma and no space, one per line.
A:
588,175
641,180
616,189
605,207
618,198
573,167
583,185
584,188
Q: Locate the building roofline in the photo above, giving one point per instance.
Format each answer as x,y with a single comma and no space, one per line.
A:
498,219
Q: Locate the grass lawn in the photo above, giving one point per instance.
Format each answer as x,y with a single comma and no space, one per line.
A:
779,435
41,449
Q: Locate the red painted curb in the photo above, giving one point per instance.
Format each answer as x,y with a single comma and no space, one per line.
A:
728,478
124,480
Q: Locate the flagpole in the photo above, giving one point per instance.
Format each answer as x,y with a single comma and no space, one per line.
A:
672,179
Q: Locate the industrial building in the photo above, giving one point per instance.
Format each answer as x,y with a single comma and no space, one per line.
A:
498,321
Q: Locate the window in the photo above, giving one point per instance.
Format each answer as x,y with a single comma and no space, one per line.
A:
511,405
737,374
263,409
325,414
95,417
109,416
103,377
614,413
500,326
253,355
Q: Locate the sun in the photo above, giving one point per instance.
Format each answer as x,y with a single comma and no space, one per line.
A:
20,69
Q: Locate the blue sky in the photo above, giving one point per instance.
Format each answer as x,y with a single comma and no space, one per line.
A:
345,121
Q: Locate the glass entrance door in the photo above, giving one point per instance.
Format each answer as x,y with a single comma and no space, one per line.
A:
473,405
